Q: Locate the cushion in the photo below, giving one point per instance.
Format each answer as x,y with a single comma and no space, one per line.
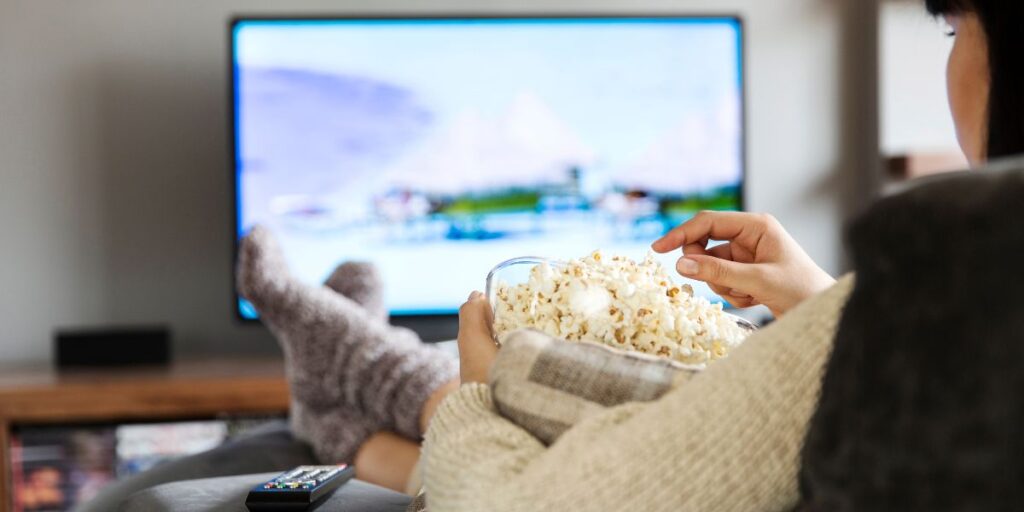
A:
920,405
227,494
267,448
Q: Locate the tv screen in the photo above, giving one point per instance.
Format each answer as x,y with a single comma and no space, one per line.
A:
439,147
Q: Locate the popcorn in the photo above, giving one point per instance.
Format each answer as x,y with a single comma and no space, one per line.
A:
621,303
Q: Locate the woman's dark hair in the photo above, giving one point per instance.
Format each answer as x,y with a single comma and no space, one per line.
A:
922,402
1003,21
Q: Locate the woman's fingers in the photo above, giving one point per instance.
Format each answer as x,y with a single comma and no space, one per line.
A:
722,251
746,228
476,305
741,303
735,298
720,290
700,247
476,315
477,348
721,273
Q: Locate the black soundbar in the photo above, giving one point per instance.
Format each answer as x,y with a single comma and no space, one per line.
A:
119,346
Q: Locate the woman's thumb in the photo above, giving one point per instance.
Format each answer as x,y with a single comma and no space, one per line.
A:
719,272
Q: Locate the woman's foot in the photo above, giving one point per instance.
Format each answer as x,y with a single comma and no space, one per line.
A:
318,329
360,282
346,367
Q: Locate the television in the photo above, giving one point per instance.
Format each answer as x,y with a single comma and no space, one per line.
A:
436,147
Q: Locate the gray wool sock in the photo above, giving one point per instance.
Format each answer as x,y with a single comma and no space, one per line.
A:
351,374
361,282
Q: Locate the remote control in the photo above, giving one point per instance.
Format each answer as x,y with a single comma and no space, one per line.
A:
298,489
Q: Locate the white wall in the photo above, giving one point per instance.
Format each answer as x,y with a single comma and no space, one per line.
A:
113,179
913,53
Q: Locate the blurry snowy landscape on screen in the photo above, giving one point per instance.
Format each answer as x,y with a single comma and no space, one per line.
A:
439,148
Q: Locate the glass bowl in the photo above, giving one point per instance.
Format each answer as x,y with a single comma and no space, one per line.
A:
517,270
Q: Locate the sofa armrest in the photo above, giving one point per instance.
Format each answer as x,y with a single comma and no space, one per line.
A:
268,448
227,494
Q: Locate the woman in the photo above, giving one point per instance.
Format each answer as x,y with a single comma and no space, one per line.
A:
908,419
366,392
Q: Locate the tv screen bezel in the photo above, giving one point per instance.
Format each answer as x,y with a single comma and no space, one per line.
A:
442,326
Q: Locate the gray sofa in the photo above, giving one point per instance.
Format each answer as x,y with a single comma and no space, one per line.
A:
218,480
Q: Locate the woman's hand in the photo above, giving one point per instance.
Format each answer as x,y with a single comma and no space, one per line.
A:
759,263
477,348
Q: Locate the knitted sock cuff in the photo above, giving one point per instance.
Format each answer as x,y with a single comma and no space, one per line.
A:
432,369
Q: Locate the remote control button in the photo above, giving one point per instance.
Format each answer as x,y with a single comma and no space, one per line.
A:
326,477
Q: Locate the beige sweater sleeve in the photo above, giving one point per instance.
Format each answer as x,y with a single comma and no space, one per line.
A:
727,440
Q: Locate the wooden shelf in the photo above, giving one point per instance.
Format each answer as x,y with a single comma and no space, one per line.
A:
185,389
914,165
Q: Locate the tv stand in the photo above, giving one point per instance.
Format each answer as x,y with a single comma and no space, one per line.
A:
185,390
